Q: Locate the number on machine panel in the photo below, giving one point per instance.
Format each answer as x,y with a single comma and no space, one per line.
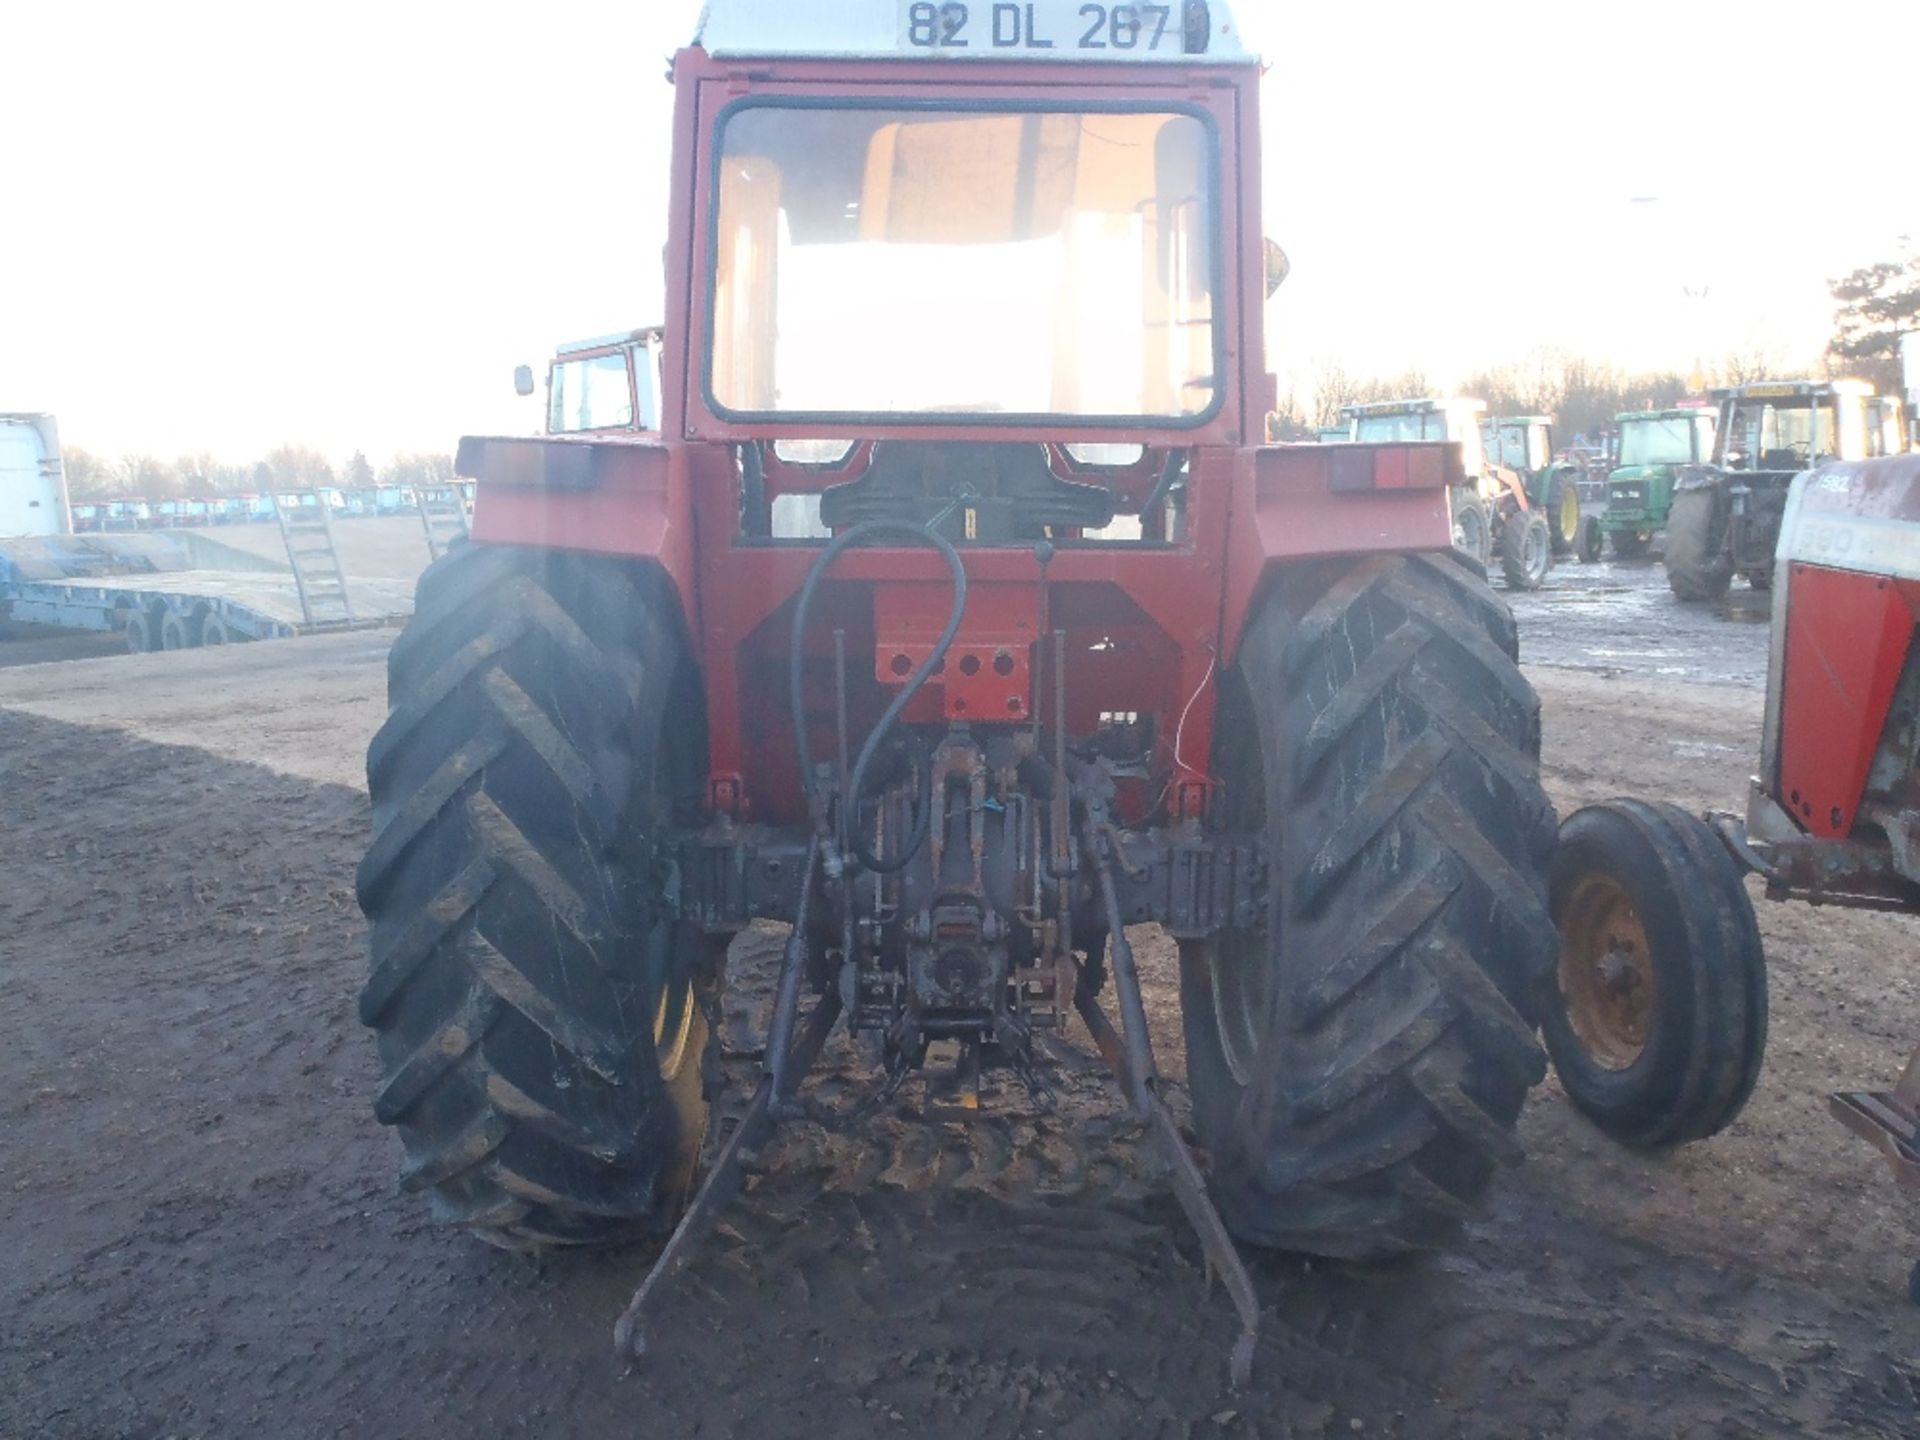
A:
1040,25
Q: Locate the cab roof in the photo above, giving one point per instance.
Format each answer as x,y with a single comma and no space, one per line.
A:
1674,412
1792,390
1197,32
1412,407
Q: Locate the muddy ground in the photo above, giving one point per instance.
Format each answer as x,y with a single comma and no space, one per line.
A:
200,1233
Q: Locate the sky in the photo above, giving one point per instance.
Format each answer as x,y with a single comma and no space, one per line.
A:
225,227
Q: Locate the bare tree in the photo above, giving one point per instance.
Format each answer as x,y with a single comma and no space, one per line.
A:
418,469
147,477
298,467
1335,388
88,476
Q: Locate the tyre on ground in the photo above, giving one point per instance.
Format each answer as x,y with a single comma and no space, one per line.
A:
1697,568
139,632
1563,511
177,632
1472,529
214,630
542,1019
1591,539
1662,1015
1526,550
1358,1063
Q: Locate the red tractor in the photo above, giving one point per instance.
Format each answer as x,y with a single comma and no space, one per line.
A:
1660,1036
958,616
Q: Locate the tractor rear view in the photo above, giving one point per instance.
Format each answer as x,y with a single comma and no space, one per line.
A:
1725,517
1664,1017
957,616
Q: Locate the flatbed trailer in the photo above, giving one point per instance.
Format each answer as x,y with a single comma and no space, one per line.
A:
152,588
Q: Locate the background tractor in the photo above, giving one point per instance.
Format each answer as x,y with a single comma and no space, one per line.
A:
609,383
1654,445
1725,517
1664,1016
1523,444
1495,520
958,656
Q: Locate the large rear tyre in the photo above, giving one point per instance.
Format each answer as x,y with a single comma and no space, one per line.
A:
1697,567
1358,1063
1591,540
1563,511
1526,550
542,1018
1663,984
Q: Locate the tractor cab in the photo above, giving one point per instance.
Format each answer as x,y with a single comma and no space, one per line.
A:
1453,419
608,383
1726,515
1520,442
1791,425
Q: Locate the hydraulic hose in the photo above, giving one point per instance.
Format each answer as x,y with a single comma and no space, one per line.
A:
870,530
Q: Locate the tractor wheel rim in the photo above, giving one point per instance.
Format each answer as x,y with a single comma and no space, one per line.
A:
1539,549
673,1029
1607,980
1237,974
1569,512
1467,532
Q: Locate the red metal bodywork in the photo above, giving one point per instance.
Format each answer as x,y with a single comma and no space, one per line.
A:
1847,642
1850,550
1148,626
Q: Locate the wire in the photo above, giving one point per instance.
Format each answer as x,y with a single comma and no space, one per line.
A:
868,530
1180,729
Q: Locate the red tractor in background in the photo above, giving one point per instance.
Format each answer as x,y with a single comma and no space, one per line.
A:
1664,1017
958,616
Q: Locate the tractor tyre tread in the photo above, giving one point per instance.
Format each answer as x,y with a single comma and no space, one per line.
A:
1513,549
1559,482
1398,744
1696,570
519,951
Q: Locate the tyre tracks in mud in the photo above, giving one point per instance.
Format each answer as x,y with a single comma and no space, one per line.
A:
204,1234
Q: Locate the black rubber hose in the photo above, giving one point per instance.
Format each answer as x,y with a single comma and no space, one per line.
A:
870,530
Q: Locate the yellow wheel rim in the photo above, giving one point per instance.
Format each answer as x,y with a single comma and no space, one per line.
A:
1569,512
1606,973
673,1030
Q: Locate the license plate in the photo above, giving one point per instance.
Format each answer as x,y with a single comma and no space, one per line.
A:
1037,27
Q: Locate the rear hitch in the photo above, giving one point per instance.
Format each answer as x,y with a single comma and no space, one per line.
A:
1131,1060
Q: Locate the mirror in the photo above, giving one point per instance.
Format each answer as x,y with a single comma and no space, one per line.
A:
523,380
1277,267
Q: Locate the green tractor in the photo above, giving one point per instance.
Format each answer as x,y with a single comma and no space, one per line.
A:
1523,444
1653,446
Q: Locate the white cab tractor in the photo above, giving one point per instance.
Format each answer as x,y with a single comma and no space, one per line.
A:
601,386
33,486
1493,519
